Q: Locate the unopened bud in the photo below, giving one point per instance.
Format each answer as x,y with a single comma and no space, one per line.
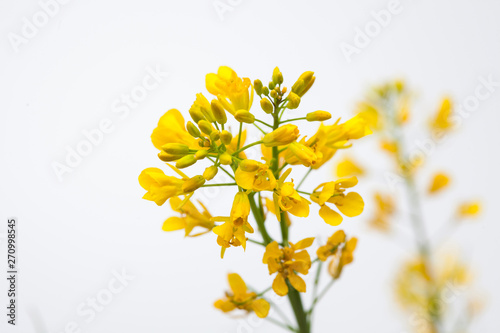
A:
277,76
226,159
205,126
271,85
201,154
215,135
165,157
185,161
244,116
257,84
210,172
249,165
192,184
318,116
265,91
293,101
175,149
226,137
218,111
193,130
300,88
266,105
196,114
274,93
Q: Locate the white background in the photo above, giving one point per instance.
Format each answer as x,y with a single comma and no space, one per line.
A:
74,233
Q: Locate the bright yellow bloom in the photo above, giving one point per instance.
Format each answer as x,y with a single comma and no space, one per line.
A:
233,92
241,298
469,209
232,231
350,204
441,121
339,134
384,209
439,182
288,199
286,262
281,136
331,246
171,129
371,115
342,258
299,153
201,109
159,186
347,167
261,179
190,217
318,145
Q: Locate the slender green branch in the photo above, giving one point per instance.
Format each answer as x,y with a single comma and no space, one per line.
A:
220,167
304,178
294,119
263,122
220,184
259,219
280,324
260,129
255,242
321,295
246,147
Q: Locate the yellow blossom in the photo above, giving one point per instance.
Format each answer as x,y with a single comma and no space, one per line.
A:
281,136
288,261
171,129
441,121
241,298
347,167
339,134
439,182
190,217
331,246
342,258
384,209
159,186
350,204
233,92
288,199
260,179
232,231
299,153
201,109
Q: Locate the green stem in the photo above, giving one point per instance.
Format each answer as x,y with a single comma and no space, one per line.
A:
220,184
260,220
246,147
298,308
294,119
263,122
304,178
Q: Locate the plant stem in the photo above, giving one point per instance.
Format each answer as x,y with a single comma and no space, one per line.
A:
220,184
246,147
260,220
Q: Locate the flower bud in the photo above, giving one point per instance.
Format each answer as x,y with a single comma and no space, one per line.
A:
165,157
281,136
218,112
304,154
243,116
196,115
226,159
215,135
277,76
249,165
193,130
300,88
210,172
293,101
274,93
201,154
271,85
175,149
185,161
205,126
192,184
226,137
266,105
257,84
318,116
265,91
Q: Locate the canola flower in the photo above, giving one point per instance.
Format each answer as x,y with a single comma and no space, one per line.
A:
423,281
263,189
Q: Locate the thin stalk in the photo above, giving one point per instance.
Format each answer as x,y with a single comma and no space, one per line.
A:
220,184
246,147
304,178
294,119
260,220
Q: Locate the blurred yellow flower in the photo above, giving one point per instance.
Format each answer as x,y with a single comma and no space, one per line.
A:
159,186
190,217
286,262
469,209
441,120
347,167
241,298
354,128
171,129
233,92
331,246
384,209
350,204
439,182
342,258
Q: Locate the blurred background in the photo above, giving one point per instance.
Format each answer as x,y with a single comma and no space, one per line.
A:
73,69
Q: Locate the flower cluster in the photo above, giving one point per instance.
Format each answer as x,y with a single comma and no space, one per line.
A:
215,137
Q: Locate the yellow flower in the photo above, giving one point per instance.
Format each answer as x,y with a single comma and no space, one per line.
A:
347,167
441,121
342,258
233,92
469,209
232,231
201,109
281,136
318,145
261,179
159,186
240,298
353,129
190,217
288,199
371,115
383,211
350,204
331,246
171,129
286,262
298,153
439,182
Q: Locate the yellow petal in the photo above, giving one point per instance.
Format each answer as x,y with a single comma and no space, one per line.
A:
237,284
244,179
224,305
439,182
306,242
350,205
279,285
272,251
174,223
297,282
330,216
261,308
